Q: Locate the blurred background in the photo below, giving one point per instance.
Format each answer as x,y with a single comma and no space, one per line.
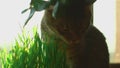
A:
106,18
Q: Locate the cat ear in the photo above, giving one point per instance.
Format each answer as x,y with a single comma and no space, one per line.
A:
59,10
89,2
53,2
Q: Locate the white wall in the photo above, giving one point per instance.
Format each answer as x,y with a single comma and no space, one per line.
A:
11,19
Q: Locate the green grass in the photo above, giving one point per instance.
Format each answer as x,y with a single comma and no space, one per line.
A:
31,52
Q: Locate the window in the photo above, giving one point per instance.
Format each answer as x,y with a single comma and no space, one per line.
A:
105,20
